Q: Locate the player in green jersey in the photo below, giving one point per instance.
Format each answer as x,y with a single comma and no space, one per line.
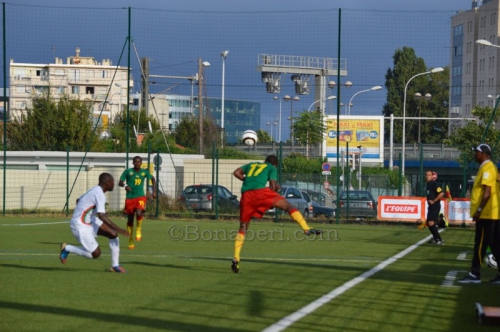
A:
133,180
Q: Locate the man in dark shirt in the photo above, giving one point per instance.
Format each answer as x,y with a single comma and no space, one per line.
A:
434,194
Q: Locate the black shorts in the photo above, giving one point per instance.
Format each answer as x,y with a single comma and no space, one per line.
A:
433,215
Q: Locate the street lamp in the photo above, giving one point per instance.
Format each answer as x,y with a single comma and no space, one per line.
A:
272,124
317,101
418,95
223,56
375,88
484,42
432,71
332,85
279,119
201,65
291,100
493,101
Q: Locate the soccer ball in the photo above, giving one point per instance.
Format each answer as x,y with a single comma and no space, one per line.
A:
490,261
249,137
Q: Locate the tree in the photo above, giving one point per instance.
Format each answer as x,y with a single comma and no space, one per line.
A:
263,136
469,136
309,128
186,132
137,122
406,65
53,126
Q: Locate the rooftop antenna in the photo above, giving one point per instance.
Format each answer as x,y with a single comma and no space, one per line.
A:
53,48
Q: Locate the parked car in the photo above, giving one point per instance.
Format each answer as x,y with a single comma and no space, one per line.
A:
361,203
200,197
297,199
322,211
321,198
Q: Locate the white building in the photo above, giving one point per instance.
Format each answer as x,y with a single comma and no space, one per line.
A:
475,70
81,77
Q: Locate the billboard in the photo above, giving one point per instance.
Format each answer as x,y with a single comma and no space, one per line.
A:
364,131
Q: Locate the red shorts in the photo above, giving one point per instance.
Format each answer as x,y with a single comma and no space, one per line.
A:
254,203
132,204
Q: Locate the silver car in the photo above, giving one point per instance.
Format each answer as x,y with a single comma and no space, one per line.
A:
200,197
297,199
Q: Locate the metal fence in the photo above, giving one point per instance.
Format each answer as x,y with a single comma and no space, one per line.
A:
363,41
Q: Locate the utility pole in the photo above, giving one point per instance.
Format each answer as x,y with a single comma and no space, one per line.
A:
200,104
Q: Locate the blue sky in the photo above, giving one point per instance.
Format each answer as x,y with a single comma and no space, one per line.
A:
371,32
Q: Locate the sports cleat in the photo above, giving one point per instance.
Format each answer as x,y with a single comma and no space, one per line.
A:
470,279
313,232
64,253
131,246
432,241
138,236
131,243
235,265
118,269
439,242
491,261
495,280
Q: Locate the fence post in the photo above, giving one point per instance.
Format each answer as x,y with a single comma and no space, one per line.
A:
400,189
421,191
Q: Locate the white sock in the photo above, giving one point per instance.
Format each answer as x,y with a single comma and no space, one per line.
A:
114,245
80,251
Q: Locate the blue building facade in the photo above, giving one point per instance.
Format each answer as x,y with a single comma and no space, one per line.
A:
239,115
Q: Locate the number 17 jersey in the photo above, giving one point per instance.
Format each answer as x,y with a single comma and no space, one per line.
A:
257,175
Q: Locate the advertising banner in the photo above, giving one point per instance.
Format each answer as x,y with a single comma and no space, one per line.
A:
414,209
401,208
365,135
459,212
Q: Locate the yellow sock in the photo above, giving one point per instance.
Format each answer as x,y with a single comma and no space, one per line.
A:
138,230
299,219
238,243
130,229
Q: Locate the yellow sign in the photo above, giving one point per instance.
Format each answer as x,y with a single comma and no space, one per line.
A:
364,135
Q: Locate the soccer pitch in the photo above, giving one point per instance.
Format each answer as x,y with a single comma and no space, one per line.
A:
179,279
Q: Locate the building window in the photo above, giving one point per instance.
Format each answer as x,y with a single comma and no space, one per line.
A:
75,90
74,75
60,89
89,90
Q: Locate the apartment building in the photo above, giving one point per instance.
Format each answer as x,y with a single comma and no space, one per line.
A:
100,83
475,68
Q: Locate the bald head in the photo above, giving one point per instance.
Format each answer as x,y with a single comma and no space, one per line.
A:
272,159
106,181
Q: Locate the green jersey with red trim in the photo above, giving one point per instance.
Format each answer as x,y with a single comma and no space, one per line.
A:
257,175
136,180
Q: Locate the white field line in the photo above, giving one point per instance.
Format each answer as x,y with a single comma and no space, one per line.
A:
450,278
308,309
38,223
205,257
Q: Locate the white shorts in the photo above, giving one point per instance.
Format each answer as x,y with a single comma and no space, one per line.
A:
86,235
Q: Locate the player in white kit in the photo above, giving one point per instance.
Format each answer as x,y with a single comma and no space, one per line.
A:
89,220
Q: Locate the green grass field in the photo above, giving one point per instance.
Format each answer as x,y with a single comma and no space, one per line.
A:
186,284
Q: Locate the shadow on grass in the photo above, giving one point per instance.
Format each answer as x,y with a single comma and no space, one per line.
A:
255,303
160,265
126,320
62,268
